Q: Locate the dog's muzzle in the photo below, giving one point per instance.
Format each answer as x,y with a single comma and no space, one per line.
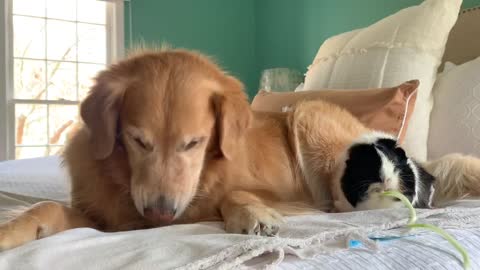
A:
162,211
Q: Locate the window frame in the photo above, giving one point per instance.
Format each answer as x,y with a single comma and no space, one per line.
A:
115,50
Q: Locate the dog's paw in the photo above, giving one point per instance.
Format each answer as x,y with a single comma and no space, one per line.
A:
16,232
255,220
7,239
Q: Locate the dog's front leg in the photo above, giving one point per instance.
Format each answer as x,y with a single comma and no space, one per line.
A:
41,220
246,213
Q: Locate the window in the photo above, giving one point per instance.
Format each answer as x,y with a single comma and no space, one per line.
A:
53,50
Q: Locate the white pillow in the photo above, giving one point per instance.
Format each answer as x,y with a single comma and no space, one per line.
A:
448,66
404,46
455,118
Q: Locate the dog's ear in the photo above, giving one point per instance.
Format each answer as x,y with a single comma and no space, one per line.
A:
100,112
232,113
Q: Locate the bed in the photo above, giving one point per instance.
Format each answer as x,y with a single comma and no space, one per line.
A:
305,242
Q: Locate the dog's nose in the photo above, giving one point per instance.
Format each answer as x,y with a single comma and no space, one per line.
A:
161,211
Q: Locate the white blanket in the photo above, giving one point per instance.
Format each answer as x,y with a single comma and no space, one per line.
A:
320,238
36,177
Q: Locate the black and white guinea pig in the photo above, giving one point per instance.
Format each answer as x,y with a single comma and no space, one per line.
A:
374,164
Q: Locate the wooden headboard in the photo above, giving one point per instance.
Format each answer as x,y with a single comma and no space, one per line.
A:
463,42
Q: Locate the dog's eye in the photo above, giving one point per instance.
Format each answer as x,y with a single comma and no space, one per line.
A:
191,144
141,143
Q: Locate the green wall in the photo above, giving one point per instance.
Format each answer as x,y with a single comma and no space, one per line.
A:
290,32
247,36
224,29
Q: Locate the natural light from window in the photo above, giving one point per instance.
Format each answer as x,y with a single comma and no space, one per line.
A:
58,46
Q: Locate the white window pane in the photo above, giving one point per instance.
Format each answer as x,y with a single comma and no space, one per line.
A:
62,119
29,37
92,43
22,152
55,150
91,11
86,75
29,7
30,124
29,79
62,9
62,80
61,40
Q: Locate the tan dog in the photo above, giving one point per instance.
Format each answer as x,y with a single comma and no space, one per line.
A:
170,138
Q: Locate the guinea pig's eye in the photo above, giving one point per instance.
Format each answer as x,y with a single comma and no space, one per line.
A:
376,190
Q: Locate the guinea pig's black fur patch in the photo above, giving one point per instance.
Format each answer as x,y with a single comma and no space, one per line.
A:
363,168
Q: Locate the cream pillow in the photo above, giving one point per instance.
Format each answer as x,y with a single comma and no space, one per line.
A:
404,46
455,117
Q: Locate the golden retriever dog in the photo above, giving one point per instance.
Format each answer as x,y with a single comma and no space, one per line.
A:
459,177
168,137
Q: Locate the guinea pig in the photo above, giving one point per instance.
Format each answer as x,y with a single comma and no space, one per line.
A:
346,165
375,163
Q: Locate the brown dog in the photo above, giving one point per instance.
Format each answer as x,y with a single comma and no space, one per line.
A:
169,138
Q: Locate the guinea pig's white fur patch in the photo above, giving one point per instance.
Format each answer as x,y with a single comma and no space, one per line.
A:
375,163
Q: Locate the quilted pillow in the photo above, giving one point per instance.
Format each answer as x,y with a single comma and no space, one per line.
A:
408,44
455,118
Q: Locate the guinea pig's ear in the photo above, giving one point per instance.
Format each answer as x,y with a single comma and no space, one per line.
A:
387,143
100,112
232,113
391,145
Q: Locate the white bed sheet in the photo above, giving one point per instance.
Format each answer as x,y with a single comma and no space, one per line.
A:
320,239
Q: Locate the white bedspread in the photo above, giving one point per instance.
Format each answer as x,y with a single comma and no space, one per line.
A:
319,239
36,177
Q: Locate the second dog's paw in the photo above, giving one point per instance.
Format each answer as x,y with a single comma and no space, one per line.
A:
254,219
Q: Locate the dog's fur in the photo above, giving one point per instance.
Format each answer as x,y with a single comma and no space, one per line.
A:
459,177
169,138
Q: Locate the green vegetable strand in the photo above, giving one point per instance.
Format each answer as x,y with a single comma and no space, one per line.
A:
406,202
412,224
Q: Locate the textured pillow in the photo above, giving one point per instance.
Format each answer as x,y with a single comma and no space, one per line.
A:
405,45
455,118
387,109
